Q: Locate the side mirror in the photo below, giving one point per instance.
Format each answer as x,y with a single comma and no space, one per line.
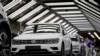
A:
2,0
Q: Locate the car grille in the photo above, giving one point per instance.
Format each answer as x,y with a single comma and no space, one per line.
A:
43,41
26,42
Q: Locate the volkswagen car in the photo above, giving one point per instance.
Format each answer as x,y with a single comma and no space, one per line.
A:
42,39
77,45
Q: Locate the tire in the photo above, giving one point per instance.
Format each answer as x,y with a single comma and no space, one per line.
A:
63,50
70,52
80,54
4,43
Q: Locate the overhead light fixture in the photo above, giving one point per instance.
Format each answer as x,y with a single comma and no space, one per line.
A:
60,21
47,18
91,35
81,36
37,17
53,20
85,29
77,18
66,25
68,8
97,35
78,15
30,13
68,12
22,9
60,3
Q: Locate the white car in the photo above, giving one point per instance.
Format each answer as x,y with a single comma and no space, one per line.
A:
77,44
42,39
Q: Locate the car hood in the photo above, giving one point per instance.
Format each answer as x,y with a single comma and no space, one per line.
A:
38,36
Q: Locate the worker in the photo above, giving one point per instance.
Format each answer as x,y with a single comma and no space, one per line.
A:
88,45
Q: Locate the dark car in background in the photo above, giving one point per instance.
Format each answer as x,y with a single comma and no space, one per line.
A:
5,33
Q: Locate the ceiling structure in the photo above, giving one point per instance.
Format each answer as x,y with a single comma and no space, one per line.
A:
74,15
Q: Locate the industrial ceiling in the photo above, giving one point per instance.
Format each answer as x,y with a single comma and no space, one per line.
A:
74,15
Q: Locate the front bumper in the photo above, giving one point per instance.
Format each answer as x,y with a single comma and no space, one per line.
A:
36,49
35,52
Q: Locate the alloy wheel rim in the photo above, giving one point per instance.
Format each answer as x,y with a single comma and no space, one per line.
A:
4,43
4,40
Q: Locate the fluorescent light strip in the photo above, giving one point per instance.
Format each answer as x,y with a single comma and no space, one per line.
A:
92,1
12,4
70,30
81,37
30,13
83,26
20,10
91,35
89,8
75,18
86,29
89,11
59,21
79,21
74,31
37,17
60,8
60,3
68,27
72,15
68,12
47,18
92,17
64,23
87,23
97,35
53,20
94,7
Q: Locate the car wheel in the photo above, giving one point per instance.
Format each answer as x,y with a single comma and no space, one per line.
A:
70,52
80,54
63,50
4,43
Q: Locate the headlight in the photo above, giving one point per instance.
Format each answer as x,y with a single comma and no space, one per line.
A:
15,41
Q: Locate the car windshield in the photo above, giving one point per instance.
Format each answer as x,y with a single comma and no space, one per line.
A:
74,39
43,28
